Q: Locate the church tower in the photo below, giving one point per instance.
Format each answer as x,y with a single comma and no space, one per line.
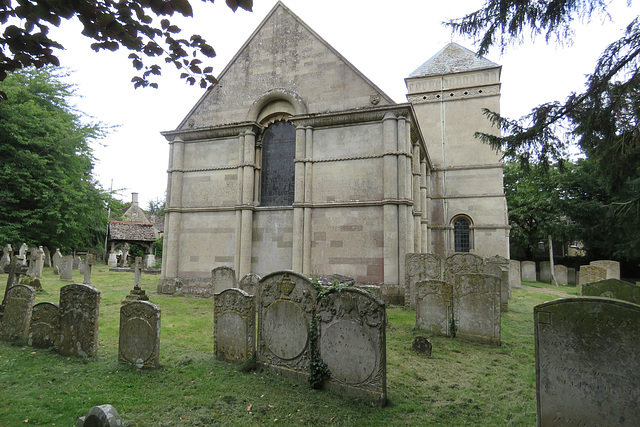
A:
466,205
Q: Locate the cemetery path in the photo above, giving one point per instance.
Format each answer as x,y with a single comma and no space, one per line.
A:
557,292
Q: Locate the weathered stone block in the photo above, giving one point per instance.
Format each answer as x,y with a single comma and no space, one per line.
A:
17,313
587,366
79,309
234,327
44,331
139,342
528,269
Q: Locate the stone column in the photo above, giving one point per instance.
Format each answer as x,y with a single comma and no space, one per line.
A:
246,229
298,200
416,197
390,187
424,193
240,172
171,244
308,181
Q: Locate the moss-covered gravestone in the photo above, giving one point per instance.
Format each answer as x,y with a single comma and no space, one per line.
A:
476,307
234,325
79,308
139,334
44,331
613,288
17,313
434,309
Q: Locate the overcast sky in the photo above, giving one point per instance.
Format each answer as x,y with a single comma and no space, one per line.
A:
385,42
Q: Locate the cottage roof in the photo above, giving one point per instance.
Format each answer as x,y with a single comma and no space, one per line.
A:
453,58
132,231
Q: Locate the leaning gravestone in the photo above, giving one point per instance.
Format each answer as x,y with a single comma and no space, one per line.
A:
515,277
66,268
434,309
528,269
286,306
139,334
587,366
590,274
223,278
250,283
476,307
352,342
234,325
612,288
79,308
17,313
612,267
44,331
562,275
419,267
56,261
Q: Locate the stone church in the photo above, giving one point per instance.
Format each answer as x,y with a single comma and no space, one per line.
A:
295,160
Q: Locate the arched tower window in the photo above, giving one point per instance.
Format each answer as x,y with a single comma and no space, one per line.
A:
462,234
278,168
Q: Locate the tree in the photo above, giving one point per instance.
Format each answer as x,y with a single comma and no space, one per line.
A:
111,24
48,194
156,207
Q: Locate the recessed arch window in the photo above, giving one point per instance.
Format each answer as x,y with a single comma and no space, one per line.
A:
462,234
278,168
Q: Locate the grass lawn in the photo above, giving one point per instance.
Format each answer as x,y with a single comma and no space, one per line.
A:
463,383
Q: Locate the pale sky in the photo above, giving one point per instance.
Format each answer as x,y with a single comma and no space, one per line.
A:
386,43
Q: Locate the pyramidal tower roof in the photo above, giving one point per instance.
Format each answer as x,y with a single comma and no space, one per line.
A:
453,58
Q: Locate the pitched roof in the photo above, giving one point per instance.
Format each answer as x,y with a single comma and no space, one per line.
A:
453,58
132,231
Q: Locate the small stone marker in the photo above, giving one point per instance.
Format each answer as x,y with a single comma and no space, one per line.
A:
422,345
79,308
234,326
17,313
223,278
44,331
140,334
528,269
101,416
612,288
352,341
476,306
66,268
434,309
112,260
420,266
587,366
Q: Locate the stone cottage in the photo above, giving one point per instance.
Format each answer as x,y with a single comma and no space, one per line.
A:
296,160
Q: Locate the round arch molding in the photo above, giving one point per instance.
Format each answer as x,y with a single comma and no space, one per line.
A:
297,105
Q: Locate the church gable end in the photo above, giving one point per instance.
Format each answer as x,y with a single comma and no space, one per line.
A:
284,55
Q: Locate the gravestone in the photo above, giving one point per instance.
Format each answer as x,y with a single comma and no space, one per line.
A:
587,366
87,264
571,276
13,270
31,262
66,268
352,341
544,274
101,416
434,309
223,278
562,274
6,257
499,270
372,289
419,267
612,267
515,278
250,283
462,264
528,269
56,261
44,330
17,313
286,306
137,293
24,249
422,345
38,262
612,288
234,325
476,307
112,260
79,309
139,343
148,261
590,274
47,256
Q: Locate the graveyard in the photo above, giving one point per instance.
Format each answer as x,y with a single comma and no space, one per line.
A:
461,383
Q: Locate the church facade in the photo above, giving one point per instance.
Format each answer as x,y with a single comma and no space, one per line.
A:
295,160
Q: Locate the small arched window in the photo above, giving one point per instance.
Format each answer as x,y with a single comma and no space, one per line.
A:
462,234
278,167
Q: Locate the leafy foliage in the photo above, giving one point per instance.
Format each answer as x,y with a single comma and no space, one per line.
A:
48,196
111,24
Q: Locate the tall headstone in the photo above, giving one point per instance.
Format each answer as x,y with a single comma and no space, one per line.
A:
31,264
250,283
47,257
587,366
6,257
515,278
88,262
139,334
499,266
223,278
44,330
24,249
590,274
352,340
562,274
612,288
476,307
528,269
612,267
38,264
544,274
286,305
17,313
56,261
234,325
420,266
66,268
79,309
434,307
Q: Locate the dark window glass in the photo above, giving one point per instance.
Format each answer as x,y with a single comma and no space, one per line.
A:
278,168
461,235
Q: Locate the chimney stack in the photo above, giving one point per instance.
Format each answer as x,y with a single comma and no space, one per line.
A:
134,199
